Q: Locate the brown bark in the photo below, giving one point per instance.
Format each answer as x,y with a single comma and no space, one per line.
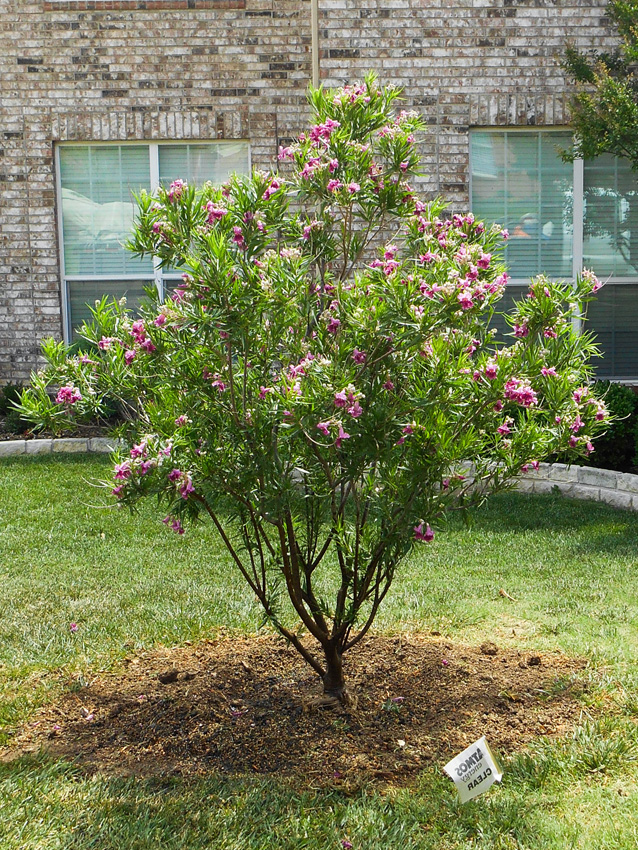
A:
333,681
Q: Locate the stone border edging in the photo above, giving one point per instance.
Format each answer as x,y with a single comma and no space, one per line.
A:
619,489
101,445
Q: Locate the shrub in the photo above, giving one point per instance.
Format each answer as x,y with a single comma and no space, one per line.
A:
325,412
616,448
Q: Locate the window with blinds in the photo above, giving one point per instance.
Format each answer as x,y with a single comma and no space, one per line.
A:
97,184
519,180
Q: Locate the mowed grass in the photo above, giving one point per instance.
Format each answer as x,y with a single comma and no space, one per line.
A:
571,569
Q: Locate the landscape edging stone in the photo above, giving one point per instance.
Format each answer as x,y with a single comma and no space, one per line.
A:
619,489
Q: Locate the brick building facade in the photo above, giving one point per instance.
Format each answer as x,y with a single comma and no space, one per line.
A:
200,71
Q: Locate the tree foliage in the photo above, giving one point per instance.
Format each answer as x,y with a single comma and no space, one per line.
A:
605,106
325,396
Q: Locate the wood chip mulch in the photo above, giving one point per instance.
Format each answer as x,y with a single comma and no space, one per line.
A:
248,706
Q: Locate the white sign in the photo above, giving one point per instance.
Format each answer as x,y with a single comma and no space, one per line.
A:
474,770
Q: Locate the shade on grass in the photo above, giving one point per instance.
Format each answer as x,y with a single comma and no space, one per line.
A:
129,583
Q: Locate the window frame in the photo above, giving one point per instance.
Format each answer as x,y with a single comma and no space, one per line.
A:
578,220
157,278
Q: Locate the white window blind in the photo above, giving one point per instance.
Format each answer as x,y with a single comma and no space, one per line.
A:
519,180
610,217
198,163
96,188
98,207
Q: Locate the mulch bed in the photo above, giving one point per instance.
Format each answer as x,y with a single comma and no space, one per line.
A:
248,706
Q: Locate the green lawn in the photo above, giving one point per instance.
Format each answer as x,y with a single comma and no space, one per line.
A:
571,567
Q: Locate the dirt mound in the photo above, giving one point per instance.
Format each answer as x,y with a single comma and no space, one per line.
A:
246,706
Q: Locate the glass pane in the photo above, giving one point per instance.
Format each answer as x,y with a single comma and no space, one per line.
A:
98,207
520,181
503,329
214,161
84,294
613,318
610,217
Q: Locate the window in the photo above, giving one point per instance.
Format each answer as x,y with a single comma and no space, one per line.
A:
563,217
97,184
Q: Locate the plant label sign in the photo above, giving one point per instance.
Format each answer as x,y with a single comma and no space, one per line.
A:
474,770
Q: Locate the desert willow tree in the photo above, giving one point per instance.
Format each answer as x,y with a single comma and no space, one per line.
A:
320,396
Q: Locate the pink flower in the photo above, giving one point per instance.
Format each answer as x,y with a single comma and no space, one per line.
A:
159,320
323,131
390,252
341,399
324,427
353,188
129,356
521,330
186,488
333,165
264,391
342,436
550,333
333,325
333,185
404,165
355,410
122,471
148,346
68,395
465,299
139,449
388,385
174,523
577,424
181,420
215,213
590,446
346,844
118,491
285,153
426,535
73,627
503,429
549,372
174,475
484,261
428,257
573,441
359,357
490,371
238,237
176,190
498,406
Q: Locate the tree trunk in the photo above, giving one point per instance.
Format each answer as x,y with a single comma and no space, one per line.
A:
333,682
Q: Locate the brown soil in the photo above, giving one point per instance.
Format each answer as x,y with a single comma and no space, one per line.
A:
249,706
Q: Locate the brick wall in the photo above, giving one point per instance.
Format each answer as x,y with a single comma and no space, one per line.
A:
110,70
